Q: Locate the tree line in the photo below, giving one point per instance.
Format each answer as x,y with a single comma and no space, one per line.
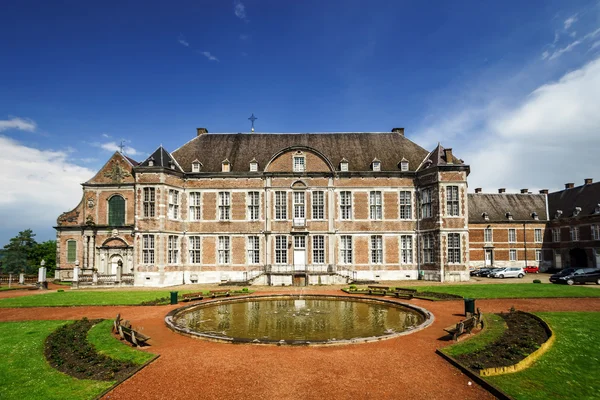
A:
24,254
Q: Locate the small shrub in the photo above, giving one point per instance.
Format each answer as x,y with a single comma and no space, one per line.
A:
60,290
537,281
245,290
352,287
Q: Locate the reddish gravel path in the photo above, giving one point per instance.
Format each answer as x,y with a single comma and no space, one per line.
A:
402,368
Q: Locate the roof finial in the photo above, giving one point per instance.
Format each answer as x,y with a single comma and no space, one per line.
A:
121,146
252,118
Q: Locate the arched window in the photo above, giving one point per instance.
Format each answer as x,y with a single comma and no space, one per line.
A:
116,211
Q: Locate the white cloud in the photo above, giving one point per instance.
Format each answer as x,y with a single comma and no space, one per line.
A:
114,146
596,44
240,10
182,41
22,124
570,21
209,56
545,54
566,49
106,135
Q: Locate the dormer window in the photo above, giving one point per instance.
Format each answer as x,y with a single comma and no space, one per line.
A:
534,215
597,209
404,165
225,166
576,211
485,216
344,165
299,162
171,164
509,216
558,214
196,166
254,165
151,162
376,165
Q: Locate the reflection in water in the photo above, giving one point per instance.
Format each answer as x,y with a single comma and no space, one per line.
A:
304,319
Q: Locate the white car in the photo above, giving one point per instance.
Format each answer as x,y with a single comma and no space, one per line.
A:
509,272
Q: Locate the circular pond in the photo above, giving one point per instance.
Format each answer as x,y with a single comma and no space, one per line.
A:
305,319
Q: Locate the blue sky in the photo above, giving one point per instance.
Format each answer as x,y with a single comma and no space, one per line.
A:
490,79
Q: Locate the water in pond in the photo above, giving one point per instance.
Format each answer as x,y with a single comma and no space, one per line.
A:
299,319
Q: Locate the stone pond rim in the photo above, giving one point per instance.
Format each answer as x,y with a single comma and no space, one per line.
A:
428,319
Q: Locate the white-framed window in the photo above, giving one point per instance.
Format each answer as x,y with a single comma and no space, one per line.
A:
253,166
195,166
454,248
318,249
71,251
224,250
173,249
344,166
426,203
404,165
487,235
194,249
595,232
452,207
280,249
253,206
406,249
148,249
195,204
537,235
318,205
405,204
280,205
375,207
299,164
376,249
299,205
346,249
253,249
149,202
538,255
556,235
376,165
574,234
512,255
173,204
224,206
427,249
345,205
512,235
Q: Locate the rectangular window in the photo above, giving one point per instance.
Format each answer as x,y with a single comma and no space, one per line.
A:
280,249
253,206
452,201
427,249
195,206
487,235
454,248
299,164
512,255
538,255
512,236
346,249
376,249
405,204
148,249
318,205
173,204
224,206
280,205
595,232
574,234
556,235
173,253
299,208
71,251
375,211
376,166
426,203
537,235
224,250
318,249
149,202
406,246
345,205
253,249
194,243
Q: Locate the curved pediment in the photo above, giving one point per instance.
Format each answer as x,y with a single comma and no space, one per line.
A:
314,160
115,242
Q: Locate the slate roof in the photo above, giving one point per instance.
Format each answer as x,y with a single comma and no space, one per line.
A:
161,158
358,148
521,206
587,197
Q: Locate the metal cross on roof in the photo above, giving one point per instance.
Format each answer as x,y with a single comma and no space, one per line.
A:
121,146
252,119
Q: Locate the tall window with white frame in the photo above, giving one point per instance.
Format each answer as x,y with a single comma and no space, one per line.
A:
318,205
71,251
406,248
454,248
538,255
173,249
149,202
595,232
375,207
575,233
405,204
426,203
512,255
194,249
376,249
318,249
452,205
345,205
253,206
148,249
556,235
224,250
280,205
512,235
195,202
346,249
427,249
280,249
224,206
487,235
299,164
299,205
173,204
537,235
253,250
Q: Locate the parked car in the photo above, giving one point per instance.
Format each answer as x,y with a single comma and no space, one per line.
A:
531,269
480,271
571,276
491,272
509,272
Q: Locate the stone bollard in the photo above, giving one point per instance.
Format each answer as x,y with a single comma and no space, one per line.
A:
76,277
95,277
22,278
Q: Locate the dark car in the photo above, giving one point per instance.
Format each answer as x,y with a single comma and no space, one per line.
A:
571,276
480,272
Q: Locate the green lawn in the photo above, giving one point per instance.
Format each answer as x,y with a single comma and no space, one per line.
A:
494,328
514,291
569,370
100,337
84,298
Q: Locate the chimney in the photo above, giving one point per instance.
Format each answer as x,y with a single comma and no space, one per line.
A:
448,155
477,190
399,131
524,191
588,181
202,131
569,185
544,191
501,190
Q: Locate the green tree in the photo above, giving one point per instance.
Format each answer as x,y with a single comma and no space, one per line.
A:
18,252
44,251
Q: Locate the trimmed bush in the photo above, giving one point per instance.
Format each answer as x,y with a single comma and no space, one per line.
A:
245,290
537,281
352,287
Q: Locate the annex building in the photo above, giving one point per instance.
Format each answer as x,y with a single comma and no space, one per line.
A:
297,209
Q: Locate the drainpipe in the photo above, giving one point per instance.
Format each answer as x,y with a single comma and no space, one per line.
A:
418,235
525,242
